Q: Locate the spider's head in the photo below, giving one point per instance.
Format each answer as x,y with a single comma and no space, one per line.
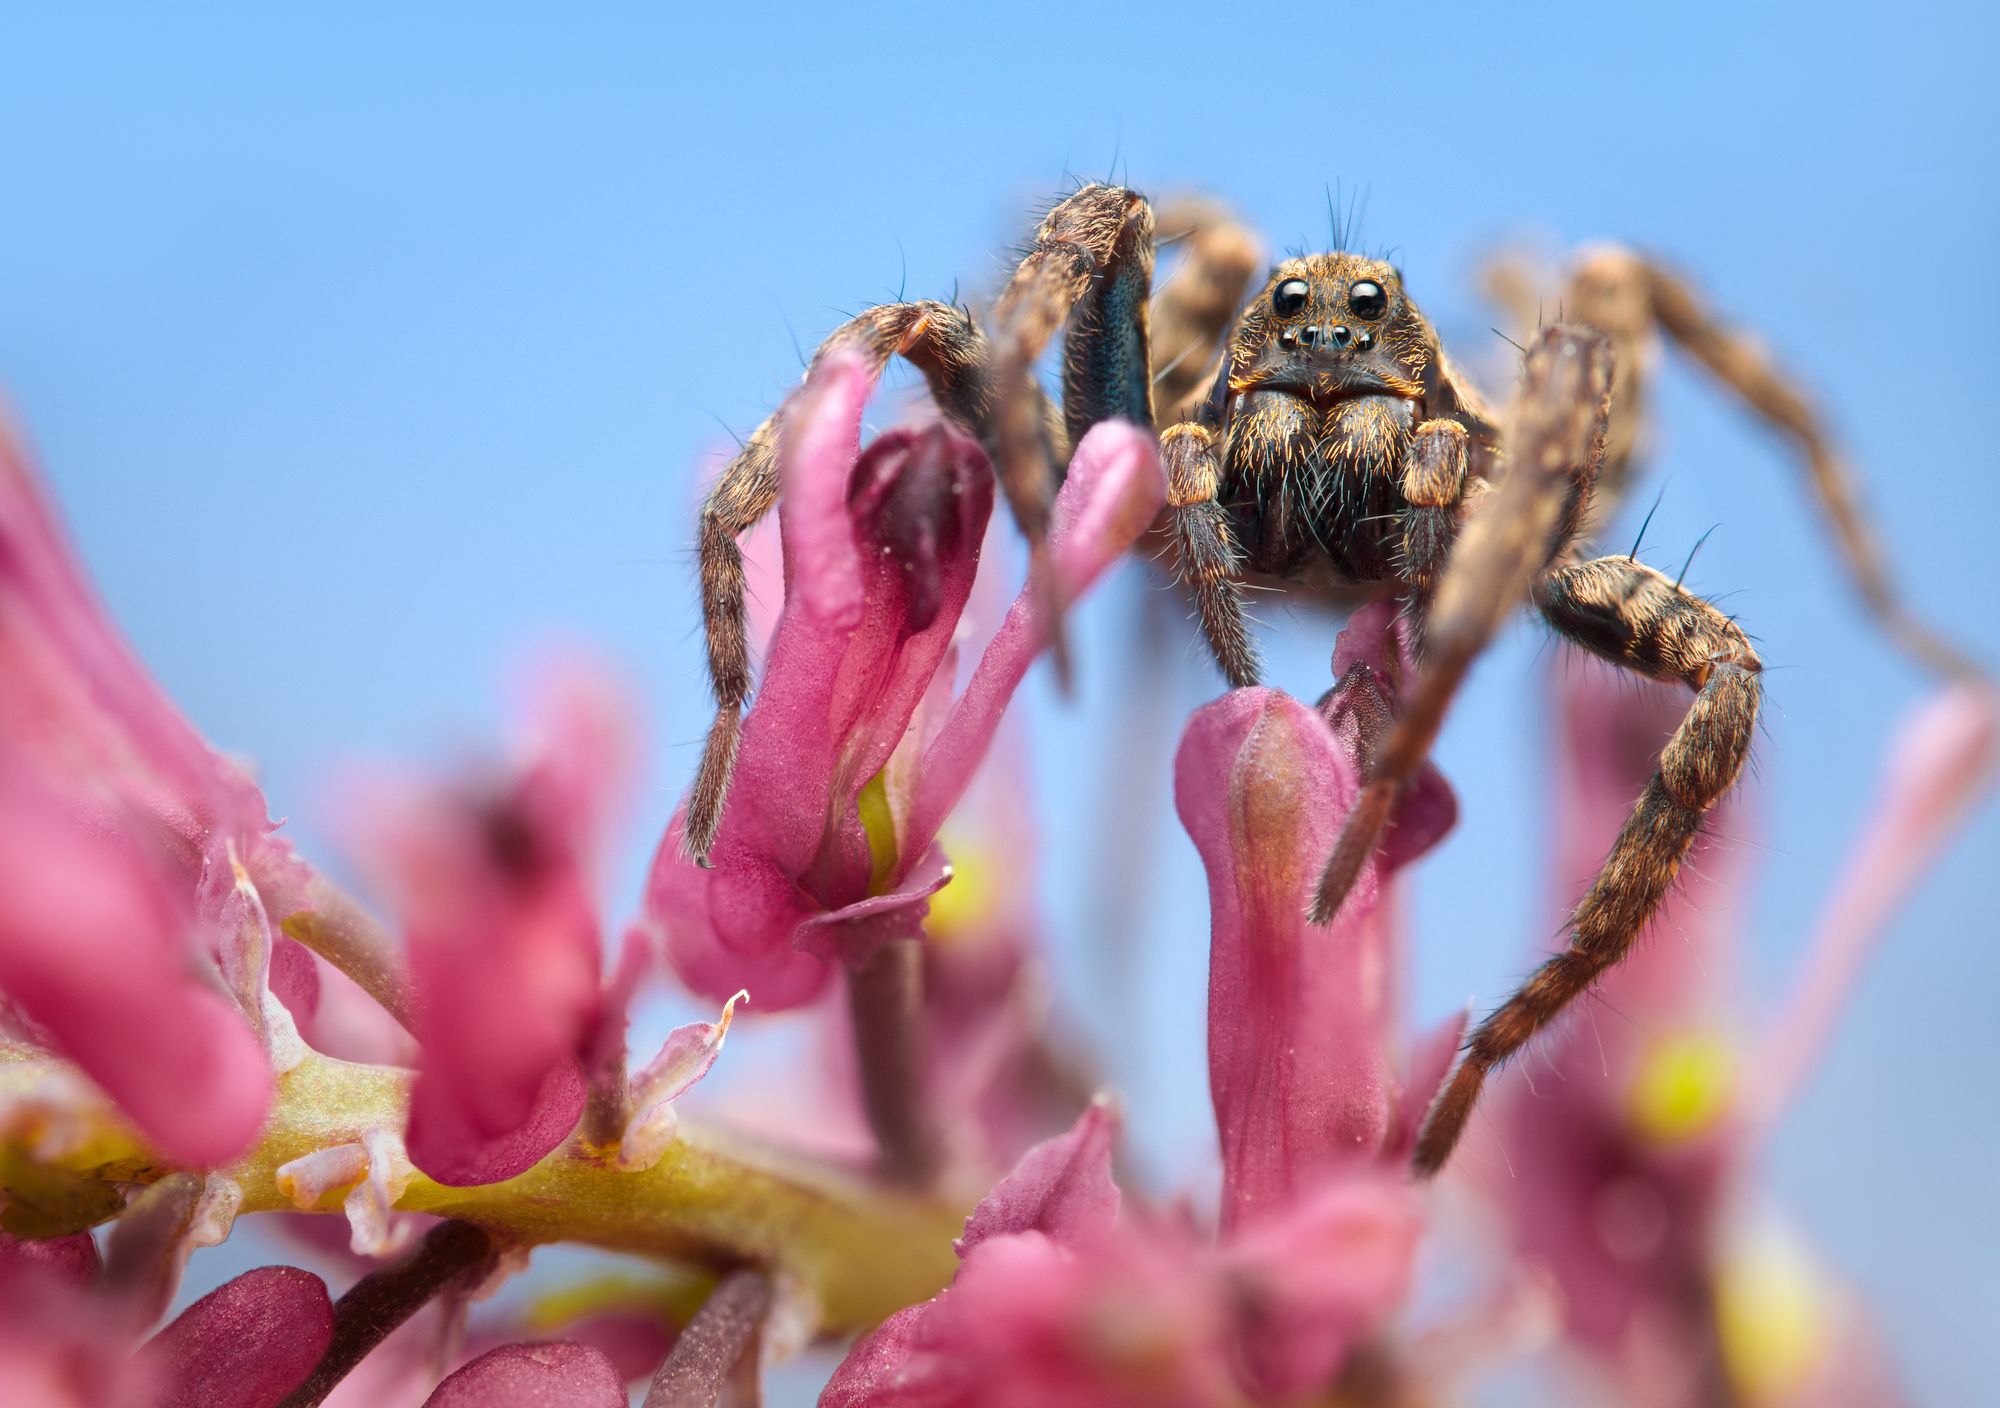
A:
1330,326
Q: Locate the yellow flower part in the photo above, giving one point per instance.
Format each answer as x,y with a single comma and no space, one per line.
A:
1771,1315
879,822
971,898
674,1296
1684,1087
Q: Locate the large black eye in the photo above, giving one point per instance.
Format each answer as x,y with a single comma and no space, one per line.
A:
1367,299
1288,297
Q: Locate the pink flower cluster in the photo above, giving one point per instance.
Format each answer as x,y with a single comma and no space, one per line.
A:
169,966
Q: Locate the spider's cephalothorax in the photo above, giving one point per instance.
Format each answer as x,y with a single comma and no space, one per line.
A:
1337,445
1330,372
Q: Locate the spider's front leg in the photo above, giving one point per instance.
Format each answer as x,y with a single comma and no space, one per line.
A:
1629,614
1091,265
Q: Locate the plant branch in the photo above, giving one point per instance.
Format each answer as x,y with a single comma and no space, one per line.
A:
861,1249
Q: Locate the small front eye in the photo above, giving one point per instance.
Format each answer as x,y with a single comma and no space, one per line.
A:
1367,299
1288,297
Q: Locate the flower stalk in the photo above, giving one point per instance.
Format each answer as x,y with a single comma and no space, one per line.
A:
719,1343
379,1303
885,1002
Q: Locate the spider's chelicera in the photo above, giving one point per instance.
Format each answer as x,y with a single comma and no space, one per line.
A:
1318,435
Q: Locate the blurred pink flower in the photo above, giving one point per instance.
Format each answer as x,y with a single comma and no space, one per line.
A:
854,750
1623,1162
66,1339
121,833
1061,1299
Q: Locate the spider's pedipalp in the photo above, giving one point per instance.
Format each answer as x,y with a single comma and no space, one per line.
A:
1207,554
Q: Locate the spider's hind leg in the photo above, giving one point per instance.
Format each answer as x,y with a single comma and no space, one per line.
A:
1633,616
1628,296
1196,302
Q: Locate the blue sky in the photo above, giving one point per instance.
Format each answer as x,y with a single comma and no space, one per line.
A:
365,348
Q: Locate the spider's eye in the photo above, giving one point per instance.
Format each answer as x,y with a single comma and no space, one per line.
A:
1288,297
1367,299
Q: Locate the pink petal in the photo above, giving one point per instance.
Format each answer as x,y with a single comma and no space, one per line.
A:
1300,1018
1942,764
552,1375
1130,1323
817,450
686,1056
295,979
580,748
246,1344
458,1153
1426,811
1430,1062
1061,1188
1113,492
1318,1278
95,946
884,1369
851,934
71,1260
727,929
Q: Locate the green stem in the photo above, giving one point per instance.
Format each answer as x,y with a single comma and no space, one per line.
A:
863,1250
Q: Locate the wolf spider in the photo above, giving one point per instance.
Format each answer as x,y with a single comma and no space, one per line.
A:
1338,448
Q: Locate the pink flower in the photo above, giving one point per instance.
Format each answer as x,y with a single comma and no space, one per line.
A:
1061,1299
492,886
854,751
1050,1305
1306,1066
120,926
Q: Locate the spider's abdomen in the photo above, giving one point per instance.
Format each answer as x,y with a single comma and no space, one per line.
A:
1302,481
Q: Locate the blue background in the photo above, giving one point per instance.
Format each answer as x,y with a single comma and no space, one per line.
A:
363,349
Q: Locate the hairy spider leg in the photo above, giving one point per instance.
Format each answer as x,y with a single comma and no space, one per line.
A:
1635,617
